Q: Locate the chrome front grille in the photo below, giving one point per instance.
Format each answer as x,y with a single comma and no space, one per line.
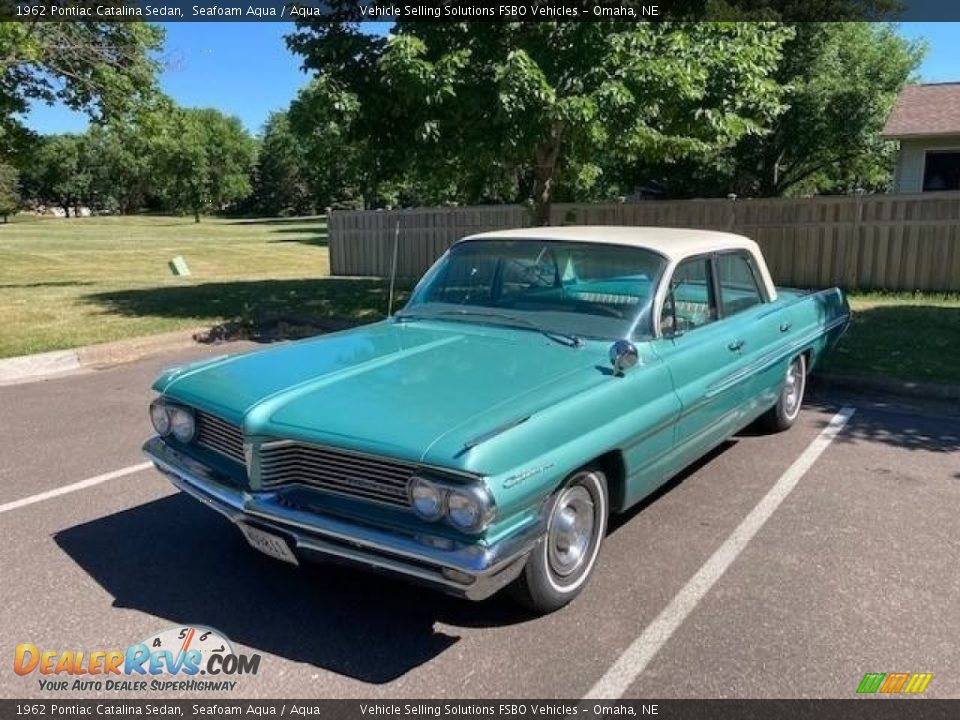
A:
337,471
220,436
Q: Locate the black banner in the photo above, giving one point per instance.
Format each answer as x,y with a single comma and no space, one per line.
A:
530,11
858,709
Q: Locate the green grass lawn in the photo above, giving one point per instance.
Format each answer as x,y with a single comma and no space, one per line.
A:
906,336
66,283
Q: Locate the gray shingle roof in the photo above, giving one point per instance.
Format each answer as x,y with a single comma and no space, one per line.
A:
925,110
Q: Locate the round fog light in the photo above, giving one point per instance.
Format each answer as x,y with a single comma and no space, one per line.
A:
160,418
426,499
182,424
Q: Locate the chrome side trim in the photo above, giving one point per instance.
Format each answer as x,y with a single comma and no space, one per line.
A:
490,434
765,361
482,569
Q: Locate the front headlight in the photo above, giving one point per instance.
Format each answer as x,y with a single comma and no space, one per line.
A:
426,499
182,424
469,509
160,417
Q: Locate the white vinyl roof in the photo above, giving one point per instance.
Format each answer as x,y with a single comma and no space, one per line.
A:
674,243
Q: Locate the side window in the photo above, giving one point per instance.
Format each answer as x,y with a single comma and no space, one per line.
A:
739,290
690,301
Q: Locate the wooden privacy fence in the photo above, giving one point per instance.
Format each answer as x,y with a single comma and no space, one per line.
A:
891,242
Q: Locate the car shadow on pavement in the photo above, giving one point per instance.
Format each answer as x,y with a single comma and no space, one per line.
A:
905,423
174,559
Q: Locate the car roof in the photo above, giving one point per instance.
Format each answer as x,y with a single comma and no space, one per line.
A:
674,243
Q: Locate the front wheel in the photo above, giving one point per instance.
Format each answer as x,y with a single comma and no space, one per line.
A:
784,414
558,569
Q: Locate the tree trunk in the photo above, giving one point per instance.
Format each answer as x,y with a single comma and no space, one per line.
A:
66,209
547,155
196,215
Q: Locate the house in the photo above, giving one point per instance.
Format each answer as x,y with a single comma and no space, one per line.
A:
926,122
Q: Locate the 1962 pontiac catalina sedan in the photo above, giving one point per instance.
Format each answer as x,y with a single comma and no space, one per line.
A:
537,381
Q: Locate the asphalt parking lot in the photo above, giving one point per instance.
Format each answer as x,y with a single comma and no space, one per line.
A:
855,571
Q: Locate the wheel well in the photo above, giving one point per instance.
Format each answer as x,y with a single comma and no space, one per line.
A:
615,469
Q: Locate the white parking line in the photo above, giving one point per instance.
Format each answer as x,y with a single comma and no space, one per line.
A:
641,651
89,482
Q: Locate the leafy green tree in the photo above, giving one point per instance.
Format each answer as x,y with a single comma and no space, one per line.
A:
204,161
281,184
489,108
58,172
104,68
9,191
125,156
841,82
340,162
122,172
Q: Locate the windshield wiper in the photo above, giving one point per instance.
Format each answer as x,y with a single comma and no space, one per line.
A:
558,337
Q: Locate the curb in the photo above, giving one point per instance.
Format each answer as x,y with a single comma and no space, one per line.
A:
887,386
25,367
31,368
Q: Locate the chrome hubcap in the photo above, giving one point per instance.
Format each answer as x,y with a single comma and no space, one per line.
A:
571,531
793,389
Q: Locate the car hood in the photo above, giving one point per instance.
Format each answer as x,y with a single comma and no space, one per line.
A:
391,388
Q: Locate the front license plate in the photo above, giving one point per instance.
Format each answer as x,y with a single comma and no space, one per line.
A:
268,543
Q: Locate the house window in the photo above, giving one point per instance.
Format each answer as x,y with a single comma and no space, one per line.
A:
942,171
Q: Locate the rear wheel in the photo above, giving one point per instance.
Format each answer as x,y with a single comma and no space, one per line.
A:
784,414
558,569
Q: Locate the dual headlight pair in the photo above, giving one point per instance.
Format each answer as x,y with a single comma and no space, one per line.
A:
467,507
173,420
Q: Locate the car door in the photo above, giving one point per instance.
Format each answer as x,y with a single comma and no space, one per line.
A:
759,330
698,347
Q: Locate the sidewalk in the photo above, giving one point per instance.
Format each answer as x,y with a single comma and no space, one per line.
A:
30,368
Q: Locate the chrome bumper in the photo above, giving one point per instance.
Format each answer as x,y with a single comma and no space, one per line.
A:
467,570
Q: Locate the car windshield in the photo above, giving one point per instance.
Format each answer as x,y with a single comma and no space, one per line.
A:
575,289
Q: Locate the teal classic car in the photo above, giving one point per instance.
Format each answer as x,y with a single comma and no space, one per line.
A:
537,381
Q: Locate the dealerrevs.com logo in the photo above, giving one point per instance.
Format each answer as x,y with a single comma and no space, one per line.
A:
187,659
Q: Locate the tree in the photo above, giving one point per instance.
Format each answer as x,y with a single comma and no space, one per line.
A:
340,163
281,184
841,81
9,191
204,161
125,154
484,107
102,67
58,172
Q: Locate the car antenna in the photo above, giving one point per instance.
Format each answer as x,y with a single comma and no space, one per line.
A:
393,268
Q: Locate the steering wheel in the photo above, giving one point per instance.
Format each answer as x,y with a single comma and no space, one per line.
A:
538,275
607,310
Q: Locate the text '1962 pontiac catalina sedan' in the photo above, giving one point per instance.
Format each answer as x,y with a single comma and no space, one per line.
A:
537,381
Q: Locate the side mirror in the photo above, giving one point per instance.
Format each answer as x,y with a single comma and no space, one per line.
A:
623,355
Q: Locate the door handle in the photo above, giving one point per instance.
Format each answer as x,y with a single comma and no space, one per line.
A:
735,345
785,327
